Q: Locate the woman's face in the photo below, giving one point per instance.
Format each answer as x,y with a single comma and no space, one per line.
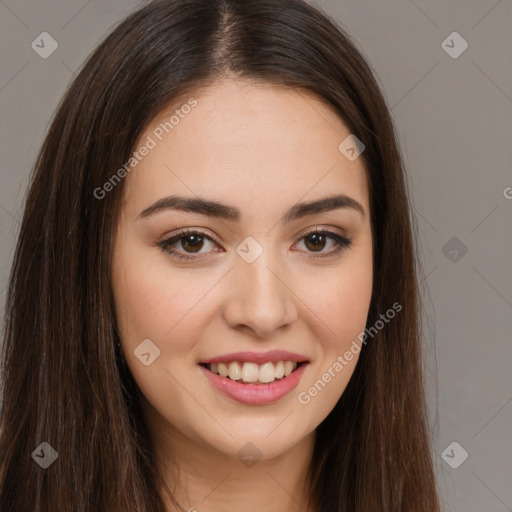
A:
249,279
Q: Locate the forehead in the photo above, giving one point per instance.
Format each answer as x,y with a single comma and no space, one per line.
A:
253,145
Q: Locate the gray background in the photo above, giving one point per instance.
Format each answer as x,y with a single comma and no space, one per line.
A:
454,120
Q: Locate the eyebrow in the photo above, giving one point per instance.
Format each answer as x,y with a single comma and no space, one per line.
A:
219,210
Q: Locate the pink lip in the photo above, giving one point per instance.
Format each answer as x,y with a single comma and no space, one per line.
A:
256,394
257,357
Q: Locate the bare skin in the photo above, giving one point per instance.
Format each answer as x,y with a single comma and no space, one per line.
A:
261,150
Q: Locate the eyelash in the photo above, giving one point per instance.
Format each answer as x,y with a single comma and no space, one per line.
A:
341,241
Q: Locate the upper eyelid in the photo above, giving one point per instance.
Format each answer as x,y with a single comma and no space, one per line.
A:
200,231
186,231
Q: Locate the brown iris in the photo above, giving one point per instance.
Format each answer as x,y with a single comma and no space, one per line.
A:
318,243
194,241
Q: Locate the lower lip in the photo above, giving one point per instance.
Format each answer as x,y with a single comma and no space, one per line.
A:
256,394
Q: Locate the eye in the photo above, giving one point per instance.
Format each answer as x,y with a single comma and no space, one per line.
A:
316,240
190,241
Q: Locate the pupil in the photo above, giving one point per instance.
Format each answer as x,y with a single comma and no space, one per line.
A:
319,244
195,245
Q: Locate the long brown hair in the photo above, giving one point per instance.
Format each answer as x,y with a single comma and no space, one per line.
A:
63,375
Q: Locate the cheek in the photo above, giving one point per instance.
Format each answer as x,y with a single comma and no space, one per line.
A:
349,307
172,309
340,307
151,303
341,303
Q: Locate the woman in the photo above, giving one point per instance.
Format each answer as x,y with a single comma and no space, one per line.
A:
214,299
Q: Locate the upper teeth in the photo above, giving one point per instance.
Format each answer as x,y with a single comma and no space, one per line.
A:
252,372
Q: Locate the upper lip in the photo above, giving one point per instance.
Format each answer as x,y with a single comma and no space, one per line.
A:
257,357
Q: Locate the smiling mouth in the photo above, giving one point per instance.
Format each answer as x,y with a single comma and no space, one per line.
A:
252,373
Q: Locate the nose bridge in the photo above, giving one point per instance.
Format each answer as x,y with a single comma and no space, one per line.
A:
260,298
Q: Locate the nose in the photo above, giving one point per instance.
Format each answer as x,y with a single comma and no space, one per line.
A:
259,298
